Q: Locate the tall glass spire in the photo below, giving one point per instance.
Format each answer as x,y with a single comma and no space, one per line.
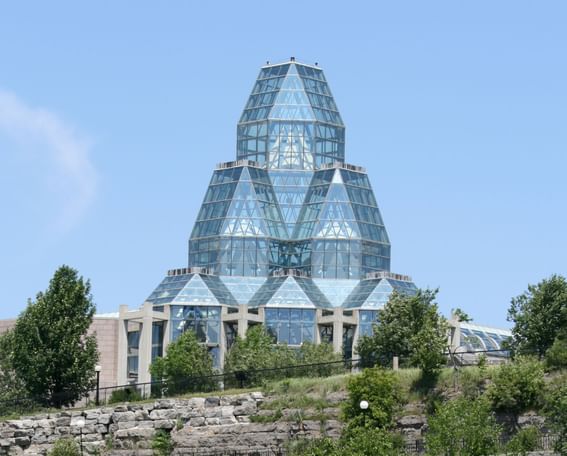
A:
290,201
291,120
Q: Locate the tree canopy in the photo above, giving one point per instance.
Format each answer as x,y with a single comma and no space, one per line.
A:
185,360
52,353
539,314
409,327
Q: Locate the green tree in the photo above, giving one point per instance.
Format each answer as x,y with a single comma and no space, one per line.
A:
257,352
461,315
183,367
310,353
462,427
538,315
52,353
517,386
409,327
381,389
11,387
556,355
555,407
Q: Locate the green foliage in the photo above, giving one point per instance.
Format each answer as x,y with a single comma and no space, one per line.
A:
310,353
184,365
461,315
525,440
162,443
125,395
517,386
381,389
257,351
11,387
52,353
538,315
409,327
556,356
555,411
462,427
65,447
358,442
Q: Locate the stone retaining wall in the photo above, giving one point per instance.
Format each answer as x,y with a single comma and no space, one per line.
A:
215,422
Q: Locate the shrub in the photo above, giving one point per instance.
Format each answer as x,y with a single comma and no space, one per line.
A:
310,353
554,409
525,440
358,442
65,447
125,395
381,389
462,427
187,366
162,443
556,356
517,387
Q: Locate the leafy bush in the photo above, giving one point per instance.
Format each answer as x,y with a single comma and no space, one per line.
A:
538,315
409,327
358,442
517,387
555,411
253,358
184,366
556,356
381,389
65,447
524,441
162,443
462,427
310,353
125,395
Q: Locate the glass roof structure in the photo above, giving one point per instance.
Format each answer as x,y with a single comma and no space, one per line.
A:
475,337
192,289
289,223
374,293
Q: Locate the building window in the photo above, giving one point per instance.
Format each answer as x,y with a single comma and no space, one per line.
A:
291,326
366,321
203,320
132,354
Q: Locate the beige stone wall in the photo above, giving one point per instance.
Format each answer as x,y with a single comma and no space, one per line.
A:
106,329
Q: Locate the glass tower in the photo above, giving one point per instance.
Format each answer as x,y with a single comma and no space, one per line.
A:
288,233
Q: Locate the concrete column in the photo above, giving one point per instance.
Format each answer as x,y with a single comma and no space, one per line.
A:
242,321
122,358
338,332
166,328
145,349
356,335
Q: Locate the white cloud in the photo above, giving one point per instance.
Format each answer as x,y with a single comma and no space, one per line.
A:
64,149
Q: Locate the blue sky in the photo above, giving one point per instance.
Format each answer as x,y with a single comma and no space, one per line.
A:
114,114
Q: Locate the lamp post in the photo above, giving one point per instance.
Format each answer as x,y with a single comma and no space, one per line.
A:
97,370
364,406
80,424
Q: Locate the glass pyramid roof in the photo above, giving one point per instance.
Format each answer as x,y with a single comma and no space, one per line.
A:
289,292
340,204
374,293
291,91
192,289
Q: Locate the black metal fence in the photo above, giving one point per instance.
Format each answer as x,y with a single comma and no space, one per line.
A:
209,383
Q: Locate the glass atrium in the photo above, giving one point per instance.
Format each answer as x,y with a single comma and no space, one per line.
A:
288,235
